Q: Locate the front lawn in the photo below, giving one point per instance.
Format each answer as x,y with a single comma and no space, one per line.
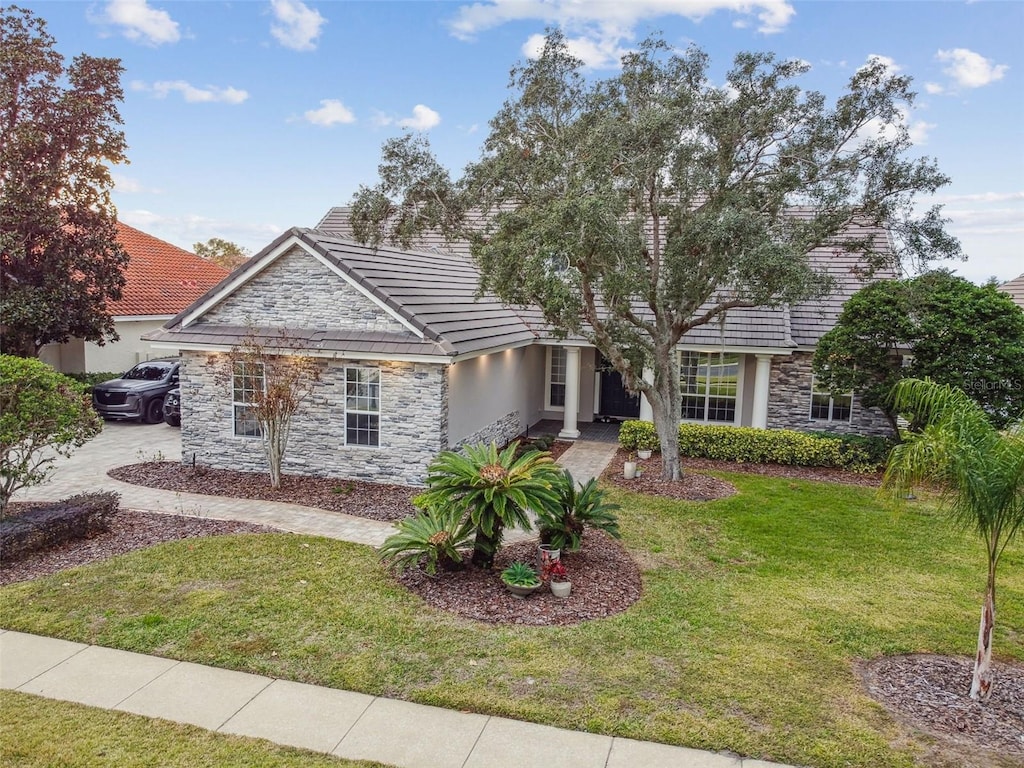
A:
755,610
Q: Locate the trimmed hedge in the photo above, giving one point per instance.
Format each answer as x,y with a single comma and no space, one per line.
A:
765,446
41,528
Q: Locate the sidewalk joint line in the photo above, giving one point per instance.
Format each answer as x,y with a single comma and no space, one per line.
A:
476,741
354,723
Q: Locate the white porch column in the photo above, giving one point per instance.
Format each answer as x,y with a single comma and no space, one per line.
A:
570,431
646,411
762,375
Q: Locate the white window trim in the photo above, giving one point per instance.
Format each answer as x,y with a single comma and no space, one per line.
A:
547,380
378,413
236,403
831,405
738,399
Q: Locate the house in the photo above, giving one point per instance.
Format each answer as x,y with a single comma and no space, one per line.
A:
160,281
1015,288
412,362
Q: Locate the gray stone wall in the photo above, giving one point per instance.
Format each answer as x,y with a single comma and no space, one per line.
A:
413,424
502,431
789,402
298,290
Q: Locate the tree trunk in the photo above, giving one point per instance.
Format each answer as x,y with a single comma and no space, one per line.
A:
272,444
485,546
665,406
981,684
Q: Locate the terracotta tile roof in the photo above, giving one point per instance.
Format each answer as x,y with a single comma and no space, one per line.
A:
162,279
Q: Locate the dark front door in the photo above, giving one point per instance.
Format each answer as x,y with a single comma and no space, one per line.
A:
615,400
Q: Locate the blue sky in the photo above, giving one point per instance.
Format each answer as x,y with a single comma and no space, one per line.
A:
248,117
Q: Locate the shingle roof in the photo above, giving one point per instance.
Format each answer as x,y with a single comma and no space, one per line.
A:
1015,288
161,279
787,327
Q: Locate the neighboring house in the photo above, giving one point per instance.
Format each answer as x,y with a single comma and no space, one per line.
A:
160,281
1015,288
413,362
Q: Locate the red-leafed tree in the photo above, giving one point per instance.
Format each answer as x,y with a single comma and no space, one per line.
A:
59,258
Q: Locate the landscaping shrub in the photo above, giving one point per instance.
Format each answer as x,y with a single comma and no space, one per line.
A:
90,380
41,528
766,446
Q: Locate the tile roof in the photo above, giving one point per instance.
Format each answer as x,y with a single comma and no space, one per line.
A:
1015,288
787,327
161,279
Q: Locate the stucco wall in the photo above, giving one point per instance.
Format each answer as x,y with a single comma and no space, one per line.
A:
789,402
496,396
413,427
77,356
298,290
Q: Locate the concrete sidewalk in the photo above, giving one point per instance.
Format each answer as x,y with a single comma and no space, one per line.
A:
340,723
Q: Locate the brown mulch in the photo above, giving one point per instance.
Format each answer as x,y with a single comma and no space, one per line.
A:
929,693
129,530
926,693
697,486
693,487
605,581
375,501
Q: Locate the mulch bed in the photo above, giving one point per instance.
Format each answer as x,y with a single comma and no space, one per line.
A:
929,693
129,530
375,501
697,486
693,487
605,581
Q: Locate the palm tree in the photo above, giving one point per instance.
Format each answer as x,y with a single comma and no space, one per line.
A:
493,488
980,474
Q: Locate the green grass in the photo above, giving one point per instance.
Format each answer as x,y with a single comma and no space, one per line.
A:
41,732
755,610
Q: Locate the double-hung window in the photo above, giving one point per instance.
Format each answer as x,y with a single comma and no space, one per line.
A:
708,384
248,381
826,406
556,377
362,406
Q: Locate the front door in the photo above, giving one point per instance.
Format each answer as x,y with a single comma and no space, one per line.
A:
615,400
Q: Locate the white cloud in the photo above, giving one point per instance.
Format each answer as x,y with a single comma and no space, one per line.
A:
185,230
887,61
423,119
127,185
211,93
141,23
874,129
331,112
969,69
595,53
596,30
298,25
934,88
919,131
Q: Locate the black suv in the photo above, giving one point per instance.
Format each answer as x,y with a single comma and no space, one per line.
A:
139,393
172,407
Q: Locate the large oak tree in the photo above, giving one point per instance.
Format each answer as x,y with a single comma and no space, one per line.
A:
634,208
59,259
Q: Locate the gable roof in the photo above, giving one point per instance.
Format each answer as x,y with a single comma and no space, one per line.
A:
800,325
432,294
1015,288
160,278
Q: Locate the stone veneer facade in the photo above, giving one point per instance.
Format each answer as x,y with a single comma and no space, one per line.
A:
789,402
413,423
504,430
298,289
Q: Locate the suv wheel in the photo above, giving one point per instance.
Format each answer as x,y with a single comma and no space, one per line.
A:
154,412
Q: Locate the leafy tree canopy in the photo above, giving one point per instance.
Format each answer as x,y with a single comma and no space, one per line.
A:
222,252
967,336
59,258
634,208
43,415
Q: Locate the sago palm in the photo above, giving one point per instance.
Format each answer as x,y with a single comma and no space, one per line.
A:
578,508
980,474
493,488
